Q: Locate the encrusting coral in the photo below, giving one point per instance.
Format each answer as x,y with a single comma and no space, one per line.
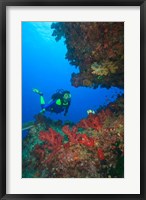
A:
97,49
94,147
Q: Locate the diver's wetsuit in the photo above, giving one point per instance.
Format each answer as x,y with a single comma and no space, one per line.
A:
56,106
60,101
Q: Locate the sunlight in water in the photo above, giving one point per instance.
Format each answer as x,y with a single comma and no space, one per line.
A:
44,29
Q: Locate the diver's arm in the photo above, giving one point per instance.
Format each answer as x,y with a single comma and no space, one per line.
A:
66,109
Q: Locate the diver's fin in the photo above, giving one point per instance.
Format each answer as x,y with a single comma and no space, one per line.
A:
37,91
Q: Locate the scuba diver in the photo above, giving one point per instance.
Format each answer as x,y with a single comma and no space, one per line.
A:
60,101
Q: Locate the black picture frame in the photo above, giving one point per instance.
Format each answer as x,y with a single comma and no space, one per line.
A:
3,125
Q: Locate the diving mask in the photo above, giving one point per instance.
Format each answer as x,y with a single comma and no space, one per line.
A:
67,96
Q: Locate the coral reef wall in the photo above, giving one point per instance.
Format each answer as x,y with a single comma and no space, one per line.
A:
97,49
92,148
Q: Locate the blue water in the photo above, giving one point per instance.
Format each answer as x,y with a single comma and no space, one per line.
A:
44,67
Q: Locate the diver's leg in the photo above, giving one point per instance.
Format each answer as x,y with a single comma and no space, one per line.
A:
42,102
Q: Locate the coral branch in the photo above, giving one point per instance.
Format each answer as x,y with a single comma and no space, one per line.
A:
71,133
92,121
52,138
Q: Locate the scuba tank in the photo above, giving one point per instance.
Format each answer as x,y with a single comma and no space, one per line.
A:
58,94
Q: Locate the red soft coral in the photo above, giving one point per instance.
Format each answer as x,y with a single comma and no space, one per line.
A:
92,121
77,138
104,114
100,154
87,141
52,138
72,136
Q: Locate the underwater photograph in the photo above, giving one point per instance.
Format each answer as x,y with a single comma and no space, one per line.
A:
72,99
